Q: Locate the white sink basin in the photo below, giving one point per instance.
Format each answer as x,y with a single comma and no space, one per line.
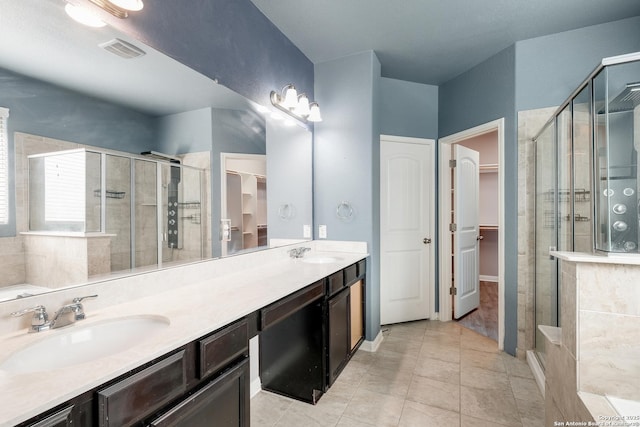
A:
83,343
320,259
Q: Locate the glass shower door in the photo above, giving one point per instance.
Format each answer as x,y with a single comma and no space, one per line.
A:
546,307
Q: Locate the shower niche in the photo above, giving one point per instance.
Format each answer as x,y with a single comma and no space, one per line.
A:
93,213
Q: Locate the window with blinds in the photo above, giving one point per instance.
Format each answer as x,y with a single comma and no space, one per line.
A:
64,192
4,167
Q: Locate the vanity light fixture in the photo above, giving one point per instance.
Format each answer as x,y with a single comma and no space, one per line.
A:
297,106
84,16
118,8
131,5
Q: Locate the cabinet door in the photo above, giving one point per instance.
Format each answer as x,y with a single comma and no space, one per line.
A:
223,402
338,333
356,314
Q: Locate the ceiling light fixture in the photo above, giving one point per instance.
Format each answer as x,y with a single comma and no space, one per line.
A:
297,106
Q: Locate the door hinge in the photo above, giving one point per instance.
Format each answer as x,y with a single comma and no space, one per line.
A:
453,227
453,290
452,163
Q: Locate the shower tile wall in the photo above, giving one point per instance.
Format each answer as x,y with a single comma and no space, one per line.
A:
118,221
145,214
201,160
12,249
529,124
583,226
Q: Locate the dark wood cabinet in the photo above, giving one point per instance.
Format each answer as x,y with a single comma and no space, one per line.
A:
207,379
138,396
292,345
61,418
345,319
306,340
338,308
222,402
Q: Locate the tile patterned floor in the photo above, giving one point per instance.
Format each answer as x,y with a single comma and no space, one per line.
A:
484,319
424,374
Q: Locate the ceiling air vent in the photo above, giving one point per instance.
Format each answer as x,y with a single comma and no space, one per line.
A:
122,48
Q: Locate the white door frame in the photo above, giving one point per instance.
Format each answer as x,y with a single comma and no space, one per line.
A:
432,225
223,183
444,239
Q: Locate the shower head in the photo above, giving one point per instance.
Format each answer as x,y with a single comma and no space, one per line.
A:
161,156
626,100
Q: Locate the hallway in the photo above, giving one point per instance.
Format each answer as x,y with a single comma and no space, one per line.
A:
425,373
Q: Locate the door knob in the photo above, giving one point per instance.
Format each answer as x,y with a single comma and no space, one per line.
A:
426,240
479,237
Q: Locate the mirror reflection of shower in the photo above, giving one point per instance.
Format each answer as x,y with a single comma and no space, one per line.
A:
111,212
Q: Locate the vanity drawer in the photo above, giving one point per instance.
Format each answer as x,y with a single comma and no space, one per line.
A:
336,282
350,274
222,347
132,399
362,268
279,310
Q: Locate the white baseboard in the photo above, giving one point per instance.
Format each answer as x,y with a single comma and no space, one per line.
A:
484,278
255,387
372,346
536,369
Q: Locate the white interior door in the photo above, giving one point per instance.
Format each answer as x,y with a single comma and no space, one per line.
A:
407,176
466,237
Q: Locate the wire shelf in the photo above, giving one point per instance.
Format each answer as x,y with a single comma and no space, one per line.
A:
110,194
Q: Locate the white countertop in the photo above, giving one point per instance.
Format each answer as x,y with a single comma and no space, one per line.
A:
601,258
194,310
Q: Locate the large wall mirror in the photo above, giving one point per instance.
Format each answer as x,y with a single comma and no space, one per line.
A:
218,177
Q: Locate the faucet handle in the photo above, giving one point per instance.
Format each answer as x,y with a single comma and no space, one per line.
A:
80,299
40,320
78,309
38,309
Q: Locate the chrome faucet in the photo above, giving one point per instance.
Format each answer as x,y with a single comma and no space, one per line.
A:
39,321
298,252
66,315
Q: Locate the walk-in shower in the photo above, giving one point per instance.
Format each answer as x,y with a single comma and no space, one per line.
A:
587,178
123,211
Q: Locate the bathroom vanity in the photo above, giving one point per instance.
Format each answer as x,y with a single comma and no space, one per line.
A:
308,315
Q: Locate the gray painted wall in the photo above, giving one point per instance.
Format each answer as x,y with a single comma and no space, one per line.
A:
230,40
187,132
483,94
549,68
408,109
289,179
346,161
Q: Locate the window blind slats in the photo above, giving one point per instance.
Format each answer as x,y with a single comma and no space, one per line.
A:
64,195
4,167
